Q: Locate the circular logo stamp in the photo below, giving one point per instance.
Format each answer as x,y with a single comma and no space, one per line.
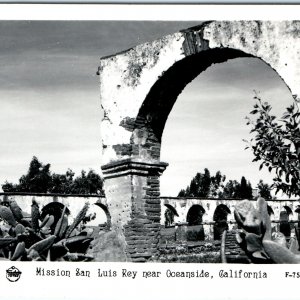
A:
13,274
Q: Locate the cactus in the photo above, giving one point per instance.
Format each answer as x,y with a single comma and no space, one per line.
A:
35,215
63,227
256,238
78,219
45,227
51,240
19,229
45,220
43,245
16,210
19,251
7,215
61,221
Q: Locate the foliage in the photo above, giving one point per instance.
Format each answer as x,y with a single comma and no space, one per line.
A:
217,185
276,144
62,183
256,237
36,180
42,238
40,180
204,185
245,189
264,190
231,190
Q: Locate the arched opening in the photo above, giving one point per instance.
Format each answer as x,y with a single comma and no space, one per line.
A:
297,210
220,219
284,225
195,231
100,217
169,215
297,225
153,114
55,209
272,216
270,210
195,214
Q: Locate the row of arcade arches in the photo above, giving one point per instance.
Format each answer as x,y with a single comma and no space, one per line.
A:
194,219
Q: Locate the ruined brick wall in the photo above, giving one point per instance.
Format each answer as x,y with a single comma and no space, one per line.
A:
138,89
74,203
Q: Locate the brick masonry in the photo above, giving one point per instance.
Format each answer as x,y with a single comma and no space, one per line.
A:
138,89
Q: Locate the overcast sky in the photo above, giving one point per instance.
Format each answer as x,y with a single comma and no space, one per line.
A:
50,104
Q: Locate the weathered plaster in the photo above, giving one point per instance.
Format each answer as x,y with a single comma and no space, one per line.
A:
138,89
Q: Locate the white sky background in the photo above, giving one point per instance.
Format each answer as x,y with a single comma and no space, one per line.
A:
50,104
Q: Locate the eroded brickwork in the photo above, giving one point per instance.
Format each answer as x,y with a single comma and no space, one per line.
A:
138,89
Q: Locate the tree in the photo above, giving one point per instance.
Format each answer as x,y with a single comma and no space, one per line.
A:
217,185
231,190
264,190
204,185
90,183
199,186
40,180
62,183
37,179
276,144
245,189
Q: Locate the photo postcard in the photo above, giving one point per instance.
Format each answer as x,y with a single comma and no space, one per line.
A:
149,151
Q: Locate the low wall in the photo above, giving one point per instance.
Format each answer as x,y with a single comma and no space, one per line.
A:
183,205
74,203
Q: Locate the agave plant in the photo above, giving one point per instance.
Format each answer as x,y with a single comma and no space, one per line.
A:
46,236
256,238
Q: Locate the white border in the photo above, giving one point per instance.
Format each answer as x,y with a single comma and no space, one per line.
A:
276,286
147,12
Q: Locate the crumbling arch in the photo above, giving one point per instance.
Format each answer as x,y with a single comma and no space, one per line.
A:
138,90
220,219
284,217
169,215
270,210
195,231
195,214
154,112
106,211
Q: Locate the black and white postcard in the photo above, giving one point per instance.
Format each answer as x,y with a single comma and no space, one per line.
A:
149,151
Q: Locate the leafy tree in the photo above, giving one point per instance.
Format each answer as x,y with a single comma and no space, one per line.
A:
40,180
276,144
205,185
37,179
199,186
62,183
231,190
182,193
264,190
9,187
217,185
245,189
90,183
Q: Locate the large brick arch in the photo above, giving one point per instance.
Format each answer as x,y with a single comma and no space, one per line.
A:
138,89
154,112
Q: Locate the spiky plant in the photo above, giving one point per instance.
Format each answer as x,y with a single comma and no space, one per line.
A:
37,239
256,239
